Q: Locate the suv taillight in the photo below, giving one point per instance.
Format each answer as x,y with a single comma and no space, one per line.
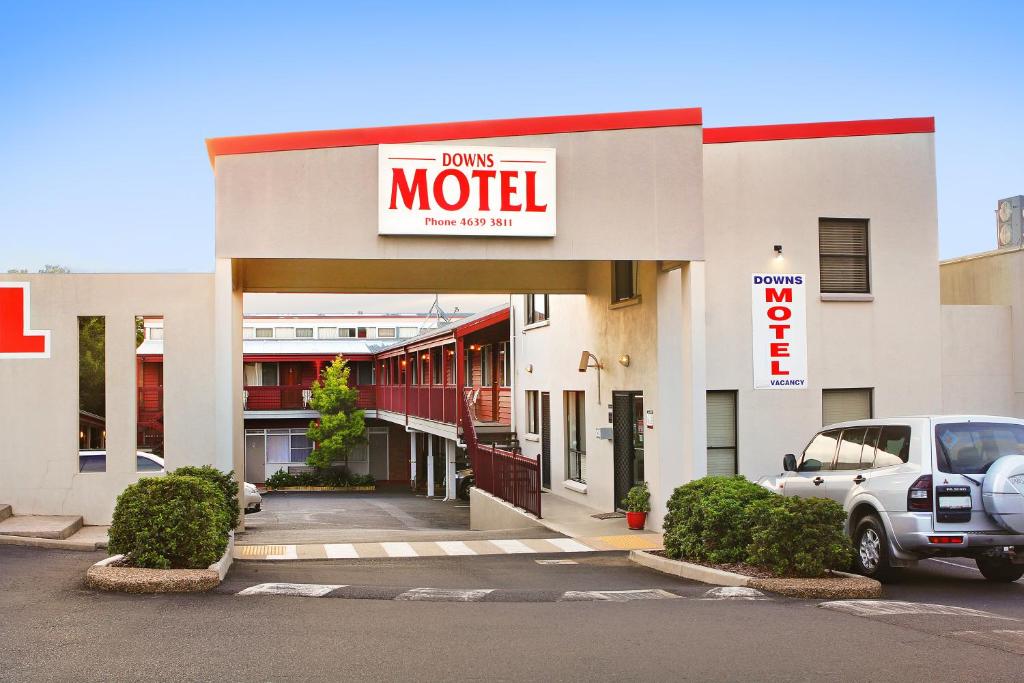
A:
919,495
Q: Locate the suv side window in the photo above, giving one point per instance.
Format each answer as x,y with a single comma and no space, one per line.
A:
820,453
867,455
850,447
893,446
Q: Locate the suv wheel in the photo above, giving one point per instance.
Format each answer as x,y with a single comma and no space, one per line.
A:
871,550
999,569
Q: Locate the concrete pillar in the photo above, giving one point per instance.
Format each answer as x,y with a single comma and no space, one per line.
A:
430,465
412,460
449,470
230,426
680,431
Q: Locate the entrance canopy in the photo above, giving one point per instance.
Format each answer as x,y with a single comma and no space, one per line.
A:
313,211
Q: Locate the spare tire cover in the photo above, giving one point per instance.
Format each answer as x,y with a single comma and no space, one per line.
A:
1002,493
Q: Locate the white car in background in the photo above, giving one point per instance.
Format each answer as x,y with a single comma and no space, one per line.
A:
920,487
147,463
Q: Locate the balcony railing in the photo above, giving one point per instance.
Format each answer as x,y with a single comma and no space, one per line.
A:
435,403
296,397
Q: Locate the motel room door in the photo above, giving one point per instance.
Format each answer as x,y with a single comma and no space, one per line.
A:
628,435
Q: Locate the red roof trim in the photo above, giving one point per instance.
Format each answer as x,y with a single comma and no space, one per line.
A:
829,129
464,130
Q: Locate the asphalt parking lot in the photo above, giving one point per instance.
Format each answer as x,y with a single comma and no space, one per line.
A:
941,623
324,517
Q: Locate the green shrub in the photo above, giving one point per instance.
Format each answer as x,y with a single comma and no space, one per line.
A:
338,478
171,522
224,481
709,519
799,536
638,499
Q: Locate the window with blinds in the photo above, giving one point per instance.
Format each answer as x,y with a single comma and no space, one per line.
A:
843,405
721,419
843,256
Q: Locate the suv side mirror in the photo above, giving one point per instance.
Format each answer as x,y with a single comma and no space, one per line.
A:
789,462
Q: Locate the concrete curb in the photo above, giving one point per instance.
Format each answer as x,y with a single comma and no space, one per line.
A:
104,576
52,543
840,586
330,489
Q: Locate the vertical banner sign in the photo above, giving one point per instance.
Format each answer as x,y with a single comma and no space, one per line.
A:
779,305
467,191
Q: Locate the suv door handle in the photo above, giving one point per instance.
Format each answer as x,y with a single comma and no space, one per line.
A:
859,479
818,481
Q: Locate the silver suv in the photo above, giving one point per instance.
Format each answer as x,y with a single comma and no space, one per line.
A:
919,487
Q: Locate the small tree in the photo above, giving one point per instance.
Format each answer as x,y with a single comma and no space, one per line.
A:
341,426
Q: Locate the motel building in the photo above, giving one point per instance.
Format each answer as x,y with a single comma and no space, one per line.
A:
684,300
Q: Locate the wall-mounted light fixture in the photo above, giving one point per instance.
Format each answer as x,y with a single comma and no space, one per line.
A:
589,360
778,251
624,360
529,368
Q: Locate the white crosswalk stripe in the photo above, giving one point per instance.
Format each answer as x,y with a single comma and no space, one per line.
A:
569,545
399,549
734,593
337,551
455,548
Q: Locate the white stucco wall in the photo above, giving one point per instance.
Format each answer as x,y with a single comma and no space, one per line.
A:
651,333
758,194
39,404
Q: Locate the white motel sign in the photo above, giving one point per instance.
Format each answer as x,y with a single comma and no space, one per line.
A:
458,190
779,307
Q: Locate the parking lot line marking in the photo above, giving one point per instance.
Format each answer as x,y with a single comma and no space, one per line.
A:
513,546
445,594
618,596
954,564
399,549
734,593
306,590
340,551
569,545
556,561
877,608
455,548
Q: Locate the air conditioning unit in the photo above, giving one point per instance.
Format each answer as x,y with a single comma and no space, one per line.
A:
1009,216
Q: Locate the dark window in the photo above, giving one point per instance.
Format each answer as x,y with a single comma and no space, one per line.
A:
623,280
972,447
843,256
893,446
576,436
533,412
96,462
504,365
820,453
536,308
850,447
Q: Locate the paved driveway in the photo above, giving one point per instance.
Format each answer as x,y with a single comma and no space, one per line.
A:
293,517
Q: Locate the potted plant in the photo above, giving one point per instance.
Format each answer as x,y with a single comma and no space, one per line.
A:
637,504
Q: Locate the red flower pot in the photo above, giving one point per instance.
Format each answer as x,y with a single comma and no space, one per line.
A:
636,520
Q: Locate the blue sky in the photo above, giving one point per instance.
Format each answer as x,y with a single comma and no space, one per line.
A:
105,106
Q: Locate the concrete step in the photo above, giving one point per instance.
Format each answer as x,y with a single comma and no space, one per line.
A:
87,539
57,527
5,512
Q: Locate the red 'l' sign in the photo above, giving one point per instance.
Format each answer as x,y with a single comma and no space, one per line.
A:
16,339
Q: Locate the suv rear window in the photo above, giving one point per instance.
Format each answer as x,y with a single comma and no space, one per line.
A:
972,447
